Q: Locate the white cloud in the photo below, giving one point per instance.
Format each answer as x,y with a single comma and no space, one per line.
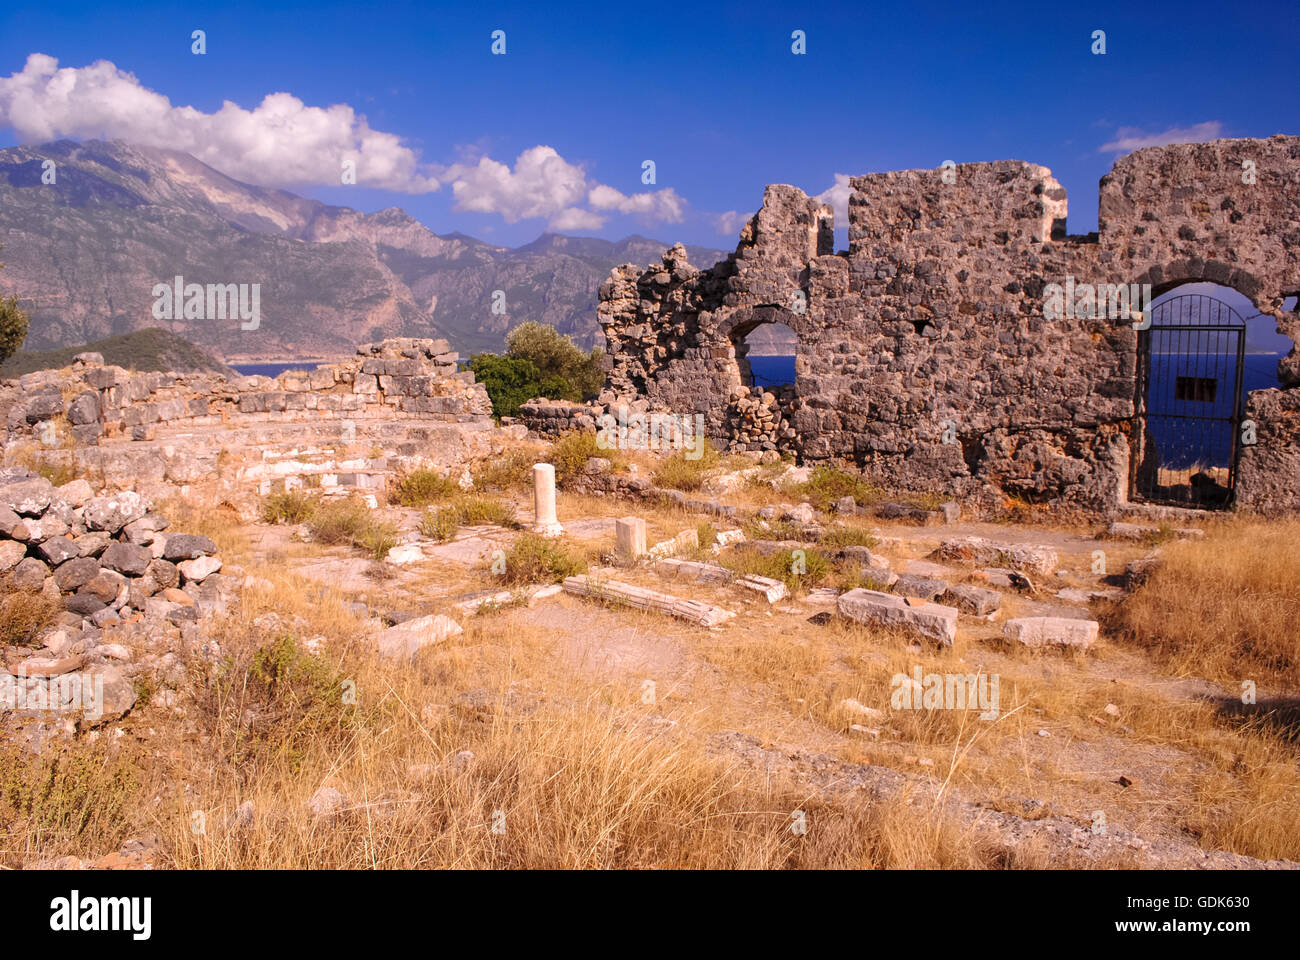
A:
544,184
664,205
837,196
730,222
284,142
1128,139
280,142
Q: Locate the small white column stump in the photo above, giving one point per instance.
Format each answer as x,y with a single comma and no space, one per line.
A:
630,533
544,519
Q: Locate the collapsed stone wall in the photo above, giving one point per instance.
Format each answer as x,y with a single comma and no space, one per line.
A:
404,397
923,353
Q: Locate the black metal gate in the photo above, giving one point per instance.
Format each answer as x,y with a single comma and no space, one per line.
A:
1189,403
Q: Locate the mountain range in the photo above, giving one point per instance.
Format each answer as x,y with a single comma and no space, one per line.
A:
85,251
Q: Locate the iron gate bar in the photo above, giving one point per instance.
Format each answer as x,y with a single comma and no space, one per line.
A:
1201,352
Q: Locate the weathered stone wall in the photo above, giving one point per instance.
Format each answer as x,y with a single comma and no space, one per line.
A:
403,398
923,352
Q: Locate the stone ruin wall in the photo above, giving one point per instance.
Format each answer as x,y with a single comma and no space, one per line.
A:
402,396
934,318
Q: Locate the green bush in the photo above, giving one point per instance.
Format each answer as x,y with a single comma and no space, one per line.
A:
538,362
13,327
680,472
812,569
837,537
422,487
444,522
827,485
535,559
556,355
571,452
507,472
292,506
512,381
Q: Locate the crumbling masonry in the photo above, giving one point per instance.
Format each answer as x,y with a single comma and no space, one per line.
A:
931,326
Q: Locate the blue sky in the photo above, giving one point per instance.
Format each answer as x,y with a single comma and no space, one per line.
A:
710,92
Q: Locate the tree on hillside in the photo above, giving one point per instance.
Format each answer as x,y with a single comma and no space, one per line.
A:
555,355
13,326
511,381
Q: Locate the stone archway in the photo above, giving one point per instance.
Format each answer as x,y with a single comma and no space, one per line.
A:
760,414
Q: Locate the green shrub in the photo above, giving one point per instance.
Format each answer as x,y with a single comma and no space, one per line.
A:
346,521
13,327
23,614
827,485
571,452
682,472
512,381
837,537
507,472
556,355
708,534
444,522
440,524
797,573
535,559
419,488
292,506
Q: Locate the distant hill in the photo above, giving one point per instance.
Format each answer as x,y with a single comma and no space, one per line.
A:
85,252
145,350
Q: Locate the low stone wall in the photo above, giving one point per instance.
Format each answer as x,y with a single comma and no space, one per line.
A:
393,379
396,405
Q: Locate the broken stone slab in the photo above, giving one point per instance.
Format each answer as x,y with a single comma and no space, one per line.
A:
1084,595
115,512
1052,631
1120,530
525,596
404,639
693,570
198,569
1139,571
28,498
976,600
11,553
688,539
909,585
702,614
771,590
404,554
1037,558
931,620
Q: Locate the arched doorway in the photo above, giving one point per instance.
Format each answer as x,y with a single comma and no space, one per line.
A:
1191,384
764,345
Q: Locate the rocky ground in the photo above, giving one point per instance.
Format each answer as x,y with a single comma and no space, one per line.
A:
770,675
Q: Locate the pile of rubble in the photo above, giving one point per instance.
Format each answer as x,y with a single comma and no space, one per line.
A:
757,419
104,559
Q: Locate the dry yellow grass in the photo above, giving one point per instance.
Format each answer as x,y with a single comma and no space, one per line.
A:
1224,608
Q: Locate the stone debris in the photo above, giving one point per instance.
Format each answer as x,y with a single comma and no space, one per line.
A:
1037,559
687,540
522,596
404,639
930,620
771,590
1120,530
1052,631
702,614
975,600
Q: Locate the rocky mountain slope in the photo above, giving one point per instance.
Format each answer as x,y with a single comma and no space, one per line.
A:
85,252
